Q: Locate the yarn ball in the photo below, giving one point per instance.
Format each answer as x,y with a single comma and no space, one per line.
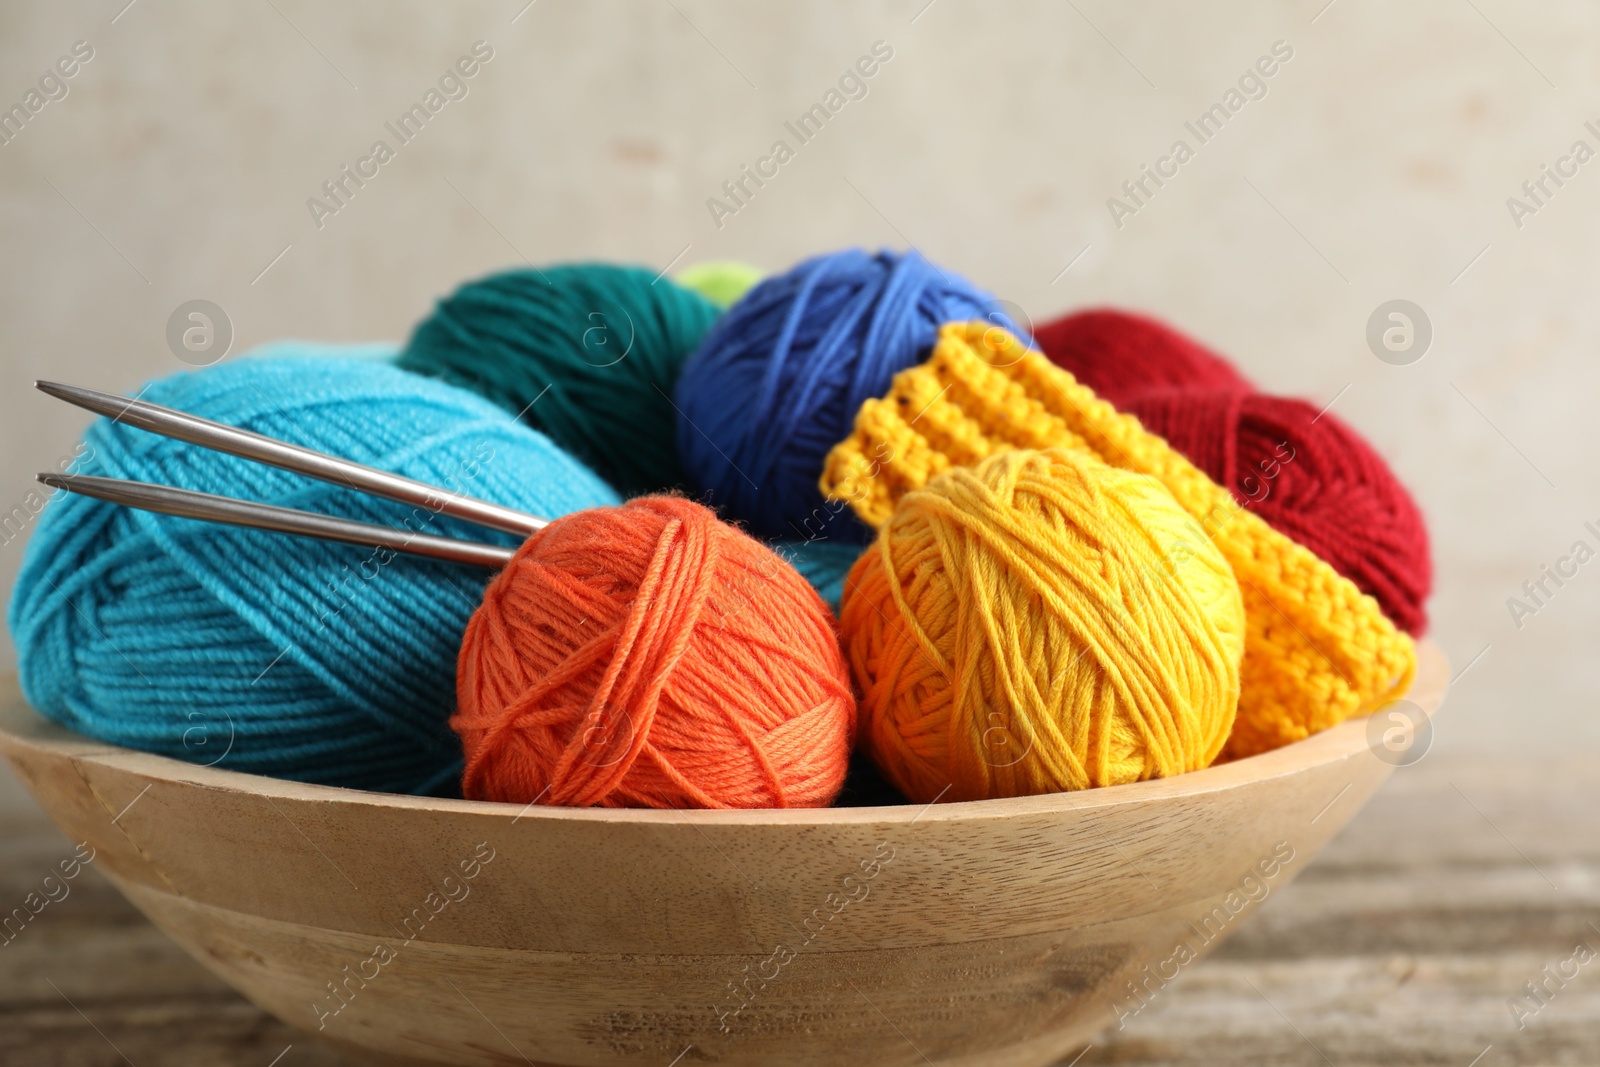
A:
1311,477
588,353
265,652
1042,622
778,380
722,283
824,564
1119,354
650,655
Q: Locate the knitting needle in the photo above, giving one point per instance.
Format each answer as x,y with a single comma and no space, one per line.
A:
189,504
182,426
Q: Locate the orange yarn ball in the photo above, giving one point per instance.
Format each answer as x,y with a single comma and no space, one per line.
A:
650,655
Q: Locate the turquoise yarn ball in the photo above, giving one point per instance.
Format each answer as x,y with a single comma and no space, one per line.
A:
589,353
269,653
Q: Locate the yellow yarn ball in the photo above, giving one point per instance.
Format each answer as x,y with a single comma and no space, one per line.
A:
1042,622
722,283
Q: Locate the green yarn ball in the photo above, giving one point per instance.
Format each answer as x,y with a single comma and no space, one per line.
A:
587,353
722,283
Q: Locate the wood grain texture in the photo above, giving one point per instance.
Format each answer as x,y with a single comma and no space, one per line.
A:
1398,945
1001,933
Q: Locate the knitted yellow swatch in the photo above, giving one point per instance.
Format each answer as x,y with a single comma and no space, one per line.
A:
1317,649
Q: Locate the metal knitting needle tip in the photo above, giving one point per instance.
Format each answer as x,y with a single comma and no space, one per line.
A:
193,429
188,504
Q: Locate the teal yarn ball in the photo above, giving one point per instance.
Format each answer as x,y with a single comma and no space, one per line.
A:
588,353
264,652
824,564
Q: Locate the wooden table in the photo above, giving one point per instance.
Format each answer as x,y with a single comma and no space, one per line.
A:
1401,944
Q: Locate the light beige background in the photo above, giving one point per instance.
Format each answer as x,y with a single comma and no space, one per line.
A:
1378,167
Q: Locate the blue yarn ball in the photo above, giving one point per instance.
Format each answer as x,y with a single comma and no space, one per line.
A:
822,563
779,379
264,652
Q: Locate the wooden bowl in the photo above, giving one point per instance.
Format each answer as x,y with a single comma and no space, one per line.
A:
1003,932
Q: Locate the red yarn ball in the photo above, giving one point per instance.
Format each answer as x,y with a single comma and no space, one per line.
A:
1311,477
650,655
1119,354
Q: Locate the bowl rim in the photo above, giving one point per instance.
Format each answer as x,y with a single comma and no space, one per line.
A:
23,730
